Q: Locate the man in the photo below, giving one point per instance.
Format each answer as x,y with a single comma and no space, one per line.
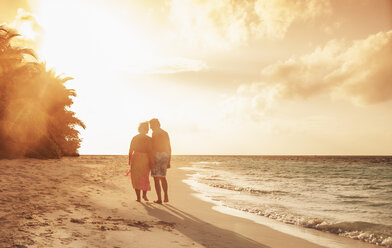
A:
161,152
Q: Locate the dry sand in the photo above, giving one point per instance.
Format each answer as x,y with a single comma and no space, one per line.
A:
88,202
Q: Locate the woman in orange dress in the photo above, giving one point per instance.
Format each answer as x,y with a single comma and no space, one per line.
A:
140,162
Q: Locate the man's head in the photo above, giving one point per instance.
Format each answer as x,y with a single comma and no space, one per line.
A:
154,124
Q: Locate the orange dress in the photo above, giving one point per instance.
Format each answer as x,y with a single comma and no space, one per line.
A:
139,172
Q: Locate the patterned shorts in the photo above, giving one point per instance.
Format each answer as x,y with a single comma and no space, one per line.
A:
161,162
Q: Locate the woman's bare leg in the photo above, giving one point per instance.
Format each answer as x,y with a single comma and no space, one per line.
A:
145,195
137,191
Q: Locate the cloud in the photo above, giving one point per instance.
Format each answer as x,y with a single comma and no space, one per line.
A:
175,65
332,28
224,23
277,16
364,72
359,71
250,102
28,27
158,65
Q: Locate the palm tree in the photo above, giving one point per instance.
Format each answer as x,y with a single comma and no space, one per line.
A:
34,116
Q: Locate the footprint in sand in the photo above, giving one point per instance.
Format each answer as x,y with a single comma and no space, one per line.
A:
124,204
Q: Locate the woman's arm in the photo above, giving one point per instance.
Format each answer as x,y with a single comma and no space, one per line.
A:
131,150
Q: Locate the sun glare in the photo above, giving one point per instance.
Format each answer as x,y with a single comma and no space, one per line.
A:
89,37
27,31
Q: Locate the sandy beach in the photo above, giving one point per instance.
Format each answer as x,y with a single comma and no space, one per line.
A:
281,110
88,202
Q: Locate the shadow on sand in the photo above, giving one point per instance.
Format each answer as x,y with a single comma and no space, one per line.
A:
199,231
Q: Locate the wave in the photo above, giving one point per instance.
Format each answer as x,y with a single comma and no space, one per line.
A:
244,189
377,234
379,204
372,233
315,192
355,202
207,163
352,196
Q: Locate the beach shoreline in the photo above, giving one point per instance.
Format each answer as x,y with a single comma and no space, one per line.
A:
87,201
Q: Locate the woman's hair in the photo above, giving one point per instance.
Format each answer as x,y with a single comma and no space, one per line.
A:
143,127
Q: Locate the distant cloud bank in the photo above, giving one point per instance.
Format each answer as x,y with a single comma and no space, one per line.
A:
359,70
157,65
226,23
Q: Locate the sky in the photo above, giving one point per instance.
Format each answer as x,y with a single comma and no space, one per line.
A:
228,77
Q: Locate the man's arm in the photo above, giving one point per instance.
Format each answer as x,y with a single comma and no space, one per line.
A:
169,150
151,155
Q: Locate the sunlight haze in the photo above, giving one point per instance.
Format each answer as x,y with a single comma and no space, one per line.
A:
223,77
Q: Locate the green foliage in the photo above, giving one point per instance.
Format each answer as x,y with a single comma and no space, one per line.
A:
34,119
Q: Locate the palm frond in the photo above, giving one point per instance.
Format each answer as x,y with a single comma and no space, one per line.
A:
28,52
66,79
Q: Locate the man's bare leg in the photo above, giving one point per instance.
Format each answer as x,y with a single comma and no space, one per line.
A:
164,187
158,190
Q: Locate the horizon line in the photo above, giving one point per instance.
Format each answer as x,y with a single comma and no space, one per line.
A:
260,155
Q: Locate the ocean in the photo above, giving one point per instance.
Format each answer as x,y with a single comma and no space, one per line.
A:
349,196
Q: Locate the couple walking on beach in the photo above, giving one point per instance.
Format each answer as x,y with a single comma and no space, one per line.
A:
150,154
